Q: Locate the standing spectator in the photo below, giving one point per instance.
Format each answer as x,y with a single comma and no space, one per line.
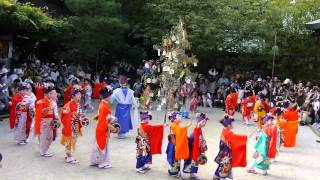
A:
4,92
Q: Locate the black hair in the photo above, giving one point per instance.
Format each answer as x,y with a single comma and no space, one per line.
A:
16,81
221,121
49,89
103,91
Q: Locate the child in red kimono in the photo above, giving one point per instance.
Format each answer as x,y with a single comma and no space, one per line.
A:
247,108
72,120
149,142
194,102
197,148
67,93
232,151
39,90
23,113
17,98
46,120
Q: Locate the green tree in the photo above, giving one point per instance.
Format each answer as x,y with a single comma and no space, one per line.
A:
97,31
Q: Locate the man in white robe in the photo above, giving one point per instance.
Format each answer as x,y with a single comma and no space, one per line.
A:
125,99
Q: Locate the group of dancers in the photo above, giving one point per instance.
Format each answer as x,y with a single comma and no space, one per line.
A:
35,115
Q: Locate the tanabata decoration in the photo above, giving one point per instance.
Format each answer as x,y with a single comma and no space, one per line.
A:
174,62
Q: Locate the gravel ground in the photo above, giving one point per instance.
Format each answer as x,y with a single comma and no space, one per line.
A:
24,162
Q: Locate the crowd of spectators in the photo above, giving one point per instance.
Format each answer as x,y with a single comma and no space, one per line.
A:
211,88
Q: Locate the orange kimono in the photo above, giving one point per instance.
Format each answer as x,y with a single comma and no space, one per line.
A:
290,130
181,141
231,103
291,115
102,132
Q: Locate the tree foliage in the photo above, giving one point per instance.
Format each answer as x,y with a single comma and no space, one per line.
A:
27,20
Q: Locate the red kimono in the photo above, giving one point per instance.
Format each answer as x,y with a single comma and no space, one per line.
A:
155,135
17,98
102,132
43,111
67,94
39,91
232,153
271,131
197,132
96,89
67,118
247,106
238,144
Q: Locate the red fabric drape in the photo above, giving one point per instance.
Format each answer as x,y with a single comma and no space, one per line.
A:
155,134
238,145
67,94
15,100
96,89
196,144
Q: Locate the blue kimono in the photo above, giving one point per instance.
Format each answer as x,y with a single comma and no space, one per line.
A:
174,164
125,99
189,165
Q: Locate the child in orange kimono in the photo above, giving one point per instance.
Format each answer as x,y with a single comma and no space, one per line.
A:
149,142
72,120
177,148
100,155
289,124
231,103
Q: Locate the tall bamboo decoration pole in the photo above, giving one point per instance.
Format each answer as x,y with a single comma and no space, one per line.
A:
274,54
273,64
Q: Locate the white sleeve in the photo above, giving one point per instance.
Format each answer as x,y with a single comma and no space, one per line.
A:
55,110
